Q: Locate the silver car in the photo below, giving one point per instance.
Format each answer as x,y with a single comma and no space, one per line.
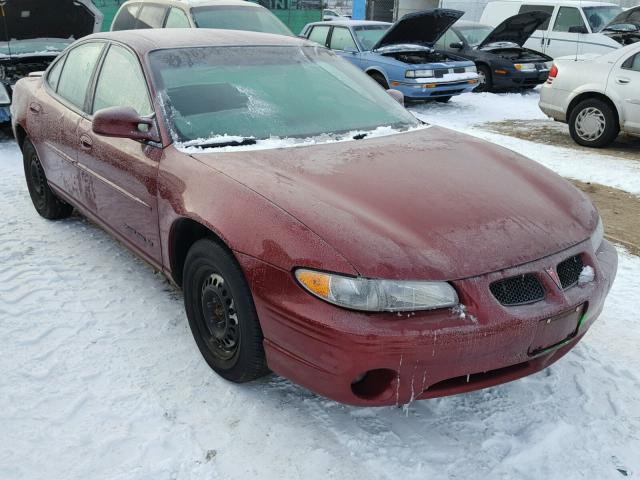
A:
597,95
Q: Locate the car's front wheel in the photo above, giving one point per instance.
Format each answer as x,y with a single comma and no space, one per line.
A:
485,80
593,123
221,313
46,203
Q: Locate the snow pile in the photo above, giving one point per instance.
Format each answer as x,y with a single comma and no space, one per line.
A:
587,275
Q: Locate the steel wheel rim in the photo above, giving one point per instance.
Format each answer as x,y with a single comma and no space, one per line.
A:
38,179
590,124
482,78
219,317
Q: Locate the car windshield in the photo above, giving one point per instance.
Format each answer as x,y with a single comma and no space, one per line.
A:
239,17
39,46
264,92
600,17
476,34
369,35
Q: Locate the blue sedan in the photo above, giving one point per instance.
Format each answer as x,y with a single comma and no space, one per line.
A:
401,55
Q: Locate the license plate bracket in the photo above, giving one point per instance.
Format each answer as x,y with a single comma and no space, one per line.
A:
554,331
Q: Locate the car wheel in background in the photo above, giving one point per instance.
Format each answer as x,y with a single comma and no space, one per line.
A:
378,77
44,200
593,123
443,99
221,313
485,80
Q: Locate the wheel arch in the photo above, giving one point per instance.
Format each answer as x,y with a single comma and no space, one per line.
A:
21,135
183,234
378,70
597,95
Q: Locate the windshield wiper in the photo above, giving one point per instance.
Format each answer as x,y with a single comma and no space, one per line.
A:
239,142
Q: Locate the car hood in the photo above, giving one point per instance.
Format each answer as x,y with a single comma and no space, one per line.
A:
631,16
429,204
420,28
516,29
28,20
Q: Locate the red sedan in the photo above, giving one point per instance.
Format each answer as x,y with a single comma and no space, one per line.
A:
316,228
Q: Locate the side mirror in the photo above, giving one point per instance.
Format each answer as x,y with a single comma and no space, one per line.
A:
456,45
580,29
397,95
124,122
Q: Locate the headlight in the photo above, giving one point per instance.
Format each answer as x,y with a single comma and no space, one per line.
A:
418,73
471,69
377,295
525,67
598,235
4,95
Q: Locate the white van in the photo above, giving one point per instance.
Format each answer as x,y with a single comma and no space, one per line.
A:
574,27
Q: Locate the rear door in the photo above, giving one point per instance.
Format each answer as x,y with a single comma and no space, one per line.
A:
123,171
341,41
320,34
58,112
624,84
538,40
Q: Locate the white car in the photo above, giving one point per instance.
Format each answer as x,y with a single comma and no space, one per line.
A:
598,96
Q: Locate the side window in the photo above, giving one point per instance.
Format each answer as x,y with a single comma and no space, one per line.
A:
341,39
632,63
447,39
54,74
177,19
126,19
319,34
568,18
77,71
120,68
539,8
151,16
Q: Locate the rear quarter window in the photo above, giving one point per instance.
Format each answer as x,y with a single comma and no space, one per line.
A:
126,18
539,8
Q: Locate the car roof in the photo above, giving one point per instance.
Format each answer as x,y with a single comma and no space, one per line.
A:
572,3
196,3
351,23
145,40
468,23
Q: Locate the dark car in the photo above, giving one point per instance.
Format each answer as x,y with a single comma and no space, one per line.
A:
501,59
316,227
625,28
33,33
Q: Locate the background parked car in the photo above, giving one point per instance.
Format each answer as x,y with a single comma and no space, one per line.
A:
598,96
401,55
500,58
625,28
574,28
334,14
34,32
227,14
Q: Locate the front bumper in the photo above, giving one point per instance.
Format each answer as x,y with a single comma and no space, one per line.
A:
421,355
425,90
518,79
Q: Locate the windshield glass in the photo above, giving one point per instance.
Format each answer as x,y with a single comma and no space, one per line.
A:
40,46
599,17
368,36
264,92
475,35
239,17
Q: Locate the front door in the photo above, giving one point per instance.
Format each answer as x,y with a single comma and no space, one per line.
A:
123,172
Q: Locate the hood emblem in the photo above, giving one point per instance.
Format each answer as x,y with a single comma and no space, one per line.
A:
554,276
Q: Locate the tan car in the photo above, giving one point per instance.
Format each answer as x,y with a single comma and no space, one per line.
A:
226,14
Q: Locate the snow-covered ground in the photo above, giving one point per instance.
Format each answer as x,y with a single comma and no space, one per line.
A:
101,379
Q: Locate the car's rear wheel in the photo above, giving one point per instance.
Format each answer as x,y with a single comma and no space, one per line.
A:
221,313
378,77
485,80
593,123
46,203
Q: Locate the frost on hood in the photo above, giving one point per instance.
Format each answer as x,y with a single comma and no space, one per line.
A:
587,275
196,146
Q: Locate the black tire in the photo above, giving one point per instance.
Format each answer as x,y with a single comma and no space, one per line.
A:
378,77
443,99
593,123
46,203
221,313
487,84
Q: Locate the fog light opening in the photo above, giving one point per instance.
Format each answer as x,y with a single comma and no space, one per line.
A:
374,384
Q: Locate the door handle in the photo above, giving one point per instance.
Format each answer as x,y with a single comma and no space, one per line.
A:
85,142
548,41
623,80
35,107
